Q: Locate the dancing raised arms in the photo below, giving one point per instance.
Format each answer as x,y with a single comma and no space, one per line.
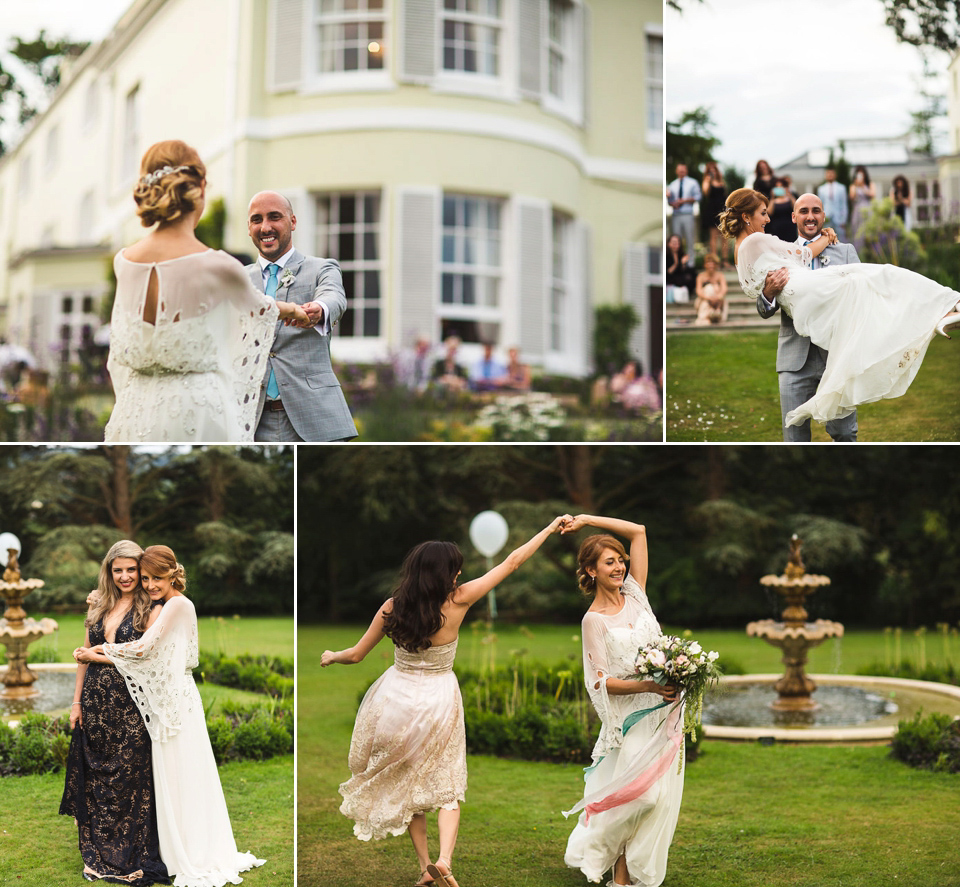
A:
636,533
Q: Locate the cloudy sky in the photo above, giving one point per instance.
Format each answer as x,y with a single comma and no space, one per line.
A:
782,76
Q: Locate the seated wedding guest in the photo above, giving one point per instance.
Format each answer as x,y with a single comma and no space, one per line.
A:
488,373
631,388
517,377
447,373
711,303
680,274
415,369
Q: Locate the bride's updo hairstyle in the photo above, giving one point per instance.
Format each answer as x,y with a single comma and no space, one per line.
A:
590,551
740,203
171,182
161,563
427,579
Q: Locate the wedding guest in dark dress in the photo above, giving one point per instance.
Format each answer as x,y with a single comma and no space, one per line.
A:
714,190
680,273
780,210
765,179
900,195
109,780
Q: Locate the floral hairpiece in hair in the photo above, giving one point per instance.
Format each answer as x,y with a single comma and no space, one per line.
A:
151,178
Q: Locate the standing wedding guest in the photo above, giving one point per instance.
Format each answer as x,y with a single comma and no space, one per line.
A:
408,752
833,196
683,194
900,195
196,839
632,795
714,196
764,179
109,787
862,194
189,336
780,210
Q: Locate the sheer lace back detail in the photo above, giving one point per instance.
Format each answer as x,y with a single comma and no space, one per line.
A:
760,253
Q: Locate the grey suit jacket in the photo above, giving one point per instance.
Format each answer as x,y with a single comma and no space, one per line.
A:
792,348
300,358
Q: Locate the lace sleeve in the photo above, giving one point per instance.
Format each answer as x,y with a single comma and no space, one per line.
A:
595,669
760,253
155,667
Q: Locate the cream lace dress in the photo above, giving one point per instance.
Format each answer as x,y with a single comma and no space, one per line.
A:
408,753
875,321
196,839
633,790
195,374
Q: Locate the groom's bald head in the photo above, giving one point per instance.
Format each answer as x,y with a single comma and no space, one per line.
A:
808,216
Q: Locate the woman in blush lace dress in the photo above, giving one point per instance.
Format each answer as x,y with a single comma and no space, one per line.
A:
109,787
196,839
633,789
189,334
408,752
875,321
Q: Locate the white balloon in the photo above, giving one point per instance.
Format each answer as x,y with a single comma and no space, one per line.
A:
8,541
488,532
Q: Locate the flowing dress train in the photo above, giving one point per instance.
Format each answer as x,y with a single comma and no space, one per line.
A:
196,839
875,321
109,783
634,788
408,754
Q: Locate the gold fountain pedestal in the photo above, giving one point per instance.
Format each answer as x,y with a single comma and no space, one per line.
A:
794,635
18,631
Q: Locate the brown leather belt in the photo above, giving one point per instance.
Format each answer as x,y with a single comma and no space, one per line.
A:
273,405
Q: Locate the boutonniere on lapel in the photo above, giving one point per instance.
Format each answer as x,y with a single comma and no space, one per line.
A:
286,278
824,260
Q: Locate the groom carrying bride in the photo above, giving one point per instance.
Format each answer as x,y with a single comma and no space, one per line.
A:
800,363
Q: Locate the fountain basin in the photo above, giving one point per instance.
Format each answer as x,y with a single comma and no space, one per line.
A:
54,688
908,695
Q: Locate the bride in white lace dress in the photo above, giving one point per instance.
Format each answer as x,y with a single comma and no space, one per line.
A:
196,838
633,789
875,321
189,334
408,751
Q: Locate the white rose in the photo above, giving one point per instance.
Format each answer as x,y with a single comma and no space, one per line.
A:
713,655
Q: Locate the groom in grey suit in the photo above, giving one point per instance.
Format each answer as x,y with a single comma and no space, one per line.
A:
800,363
300,397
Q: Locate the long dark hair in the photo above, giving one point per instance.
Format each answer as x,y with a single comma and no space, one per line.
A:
426,581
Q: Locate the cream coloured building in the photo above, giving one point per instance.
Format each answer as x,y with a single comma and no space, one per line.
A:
489,168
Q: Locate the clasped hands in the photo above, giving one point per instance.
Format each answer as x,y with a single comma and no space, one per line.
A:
301,316
88,654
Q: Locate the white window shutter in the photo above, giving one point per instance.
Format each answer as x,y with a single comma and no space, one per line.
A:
583,293
418,265
586,61
418,40
533,228
635,293
285,44
531,40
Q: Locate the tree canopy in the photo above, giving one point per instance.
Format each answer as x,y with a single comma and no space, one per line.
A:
933,23
882,522
226,511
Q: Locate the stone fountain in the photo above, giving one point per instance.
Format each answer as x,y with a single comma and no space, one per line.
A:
794,635
17,630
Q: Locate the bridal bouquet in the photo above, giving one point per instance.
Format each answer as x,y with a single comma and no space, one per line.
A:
673,660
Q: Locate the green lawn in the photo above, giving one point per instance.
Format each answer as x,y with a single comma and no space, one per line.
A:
38,847
722,386
232,635
752,816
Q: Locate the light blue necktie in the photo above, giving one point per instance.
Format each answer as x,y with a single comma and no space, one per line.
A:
273,390
816,259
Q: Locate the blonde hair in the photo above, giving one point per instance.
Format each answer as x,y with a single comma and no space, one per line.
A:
590,551
109,594
743,201
172,177
161,563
